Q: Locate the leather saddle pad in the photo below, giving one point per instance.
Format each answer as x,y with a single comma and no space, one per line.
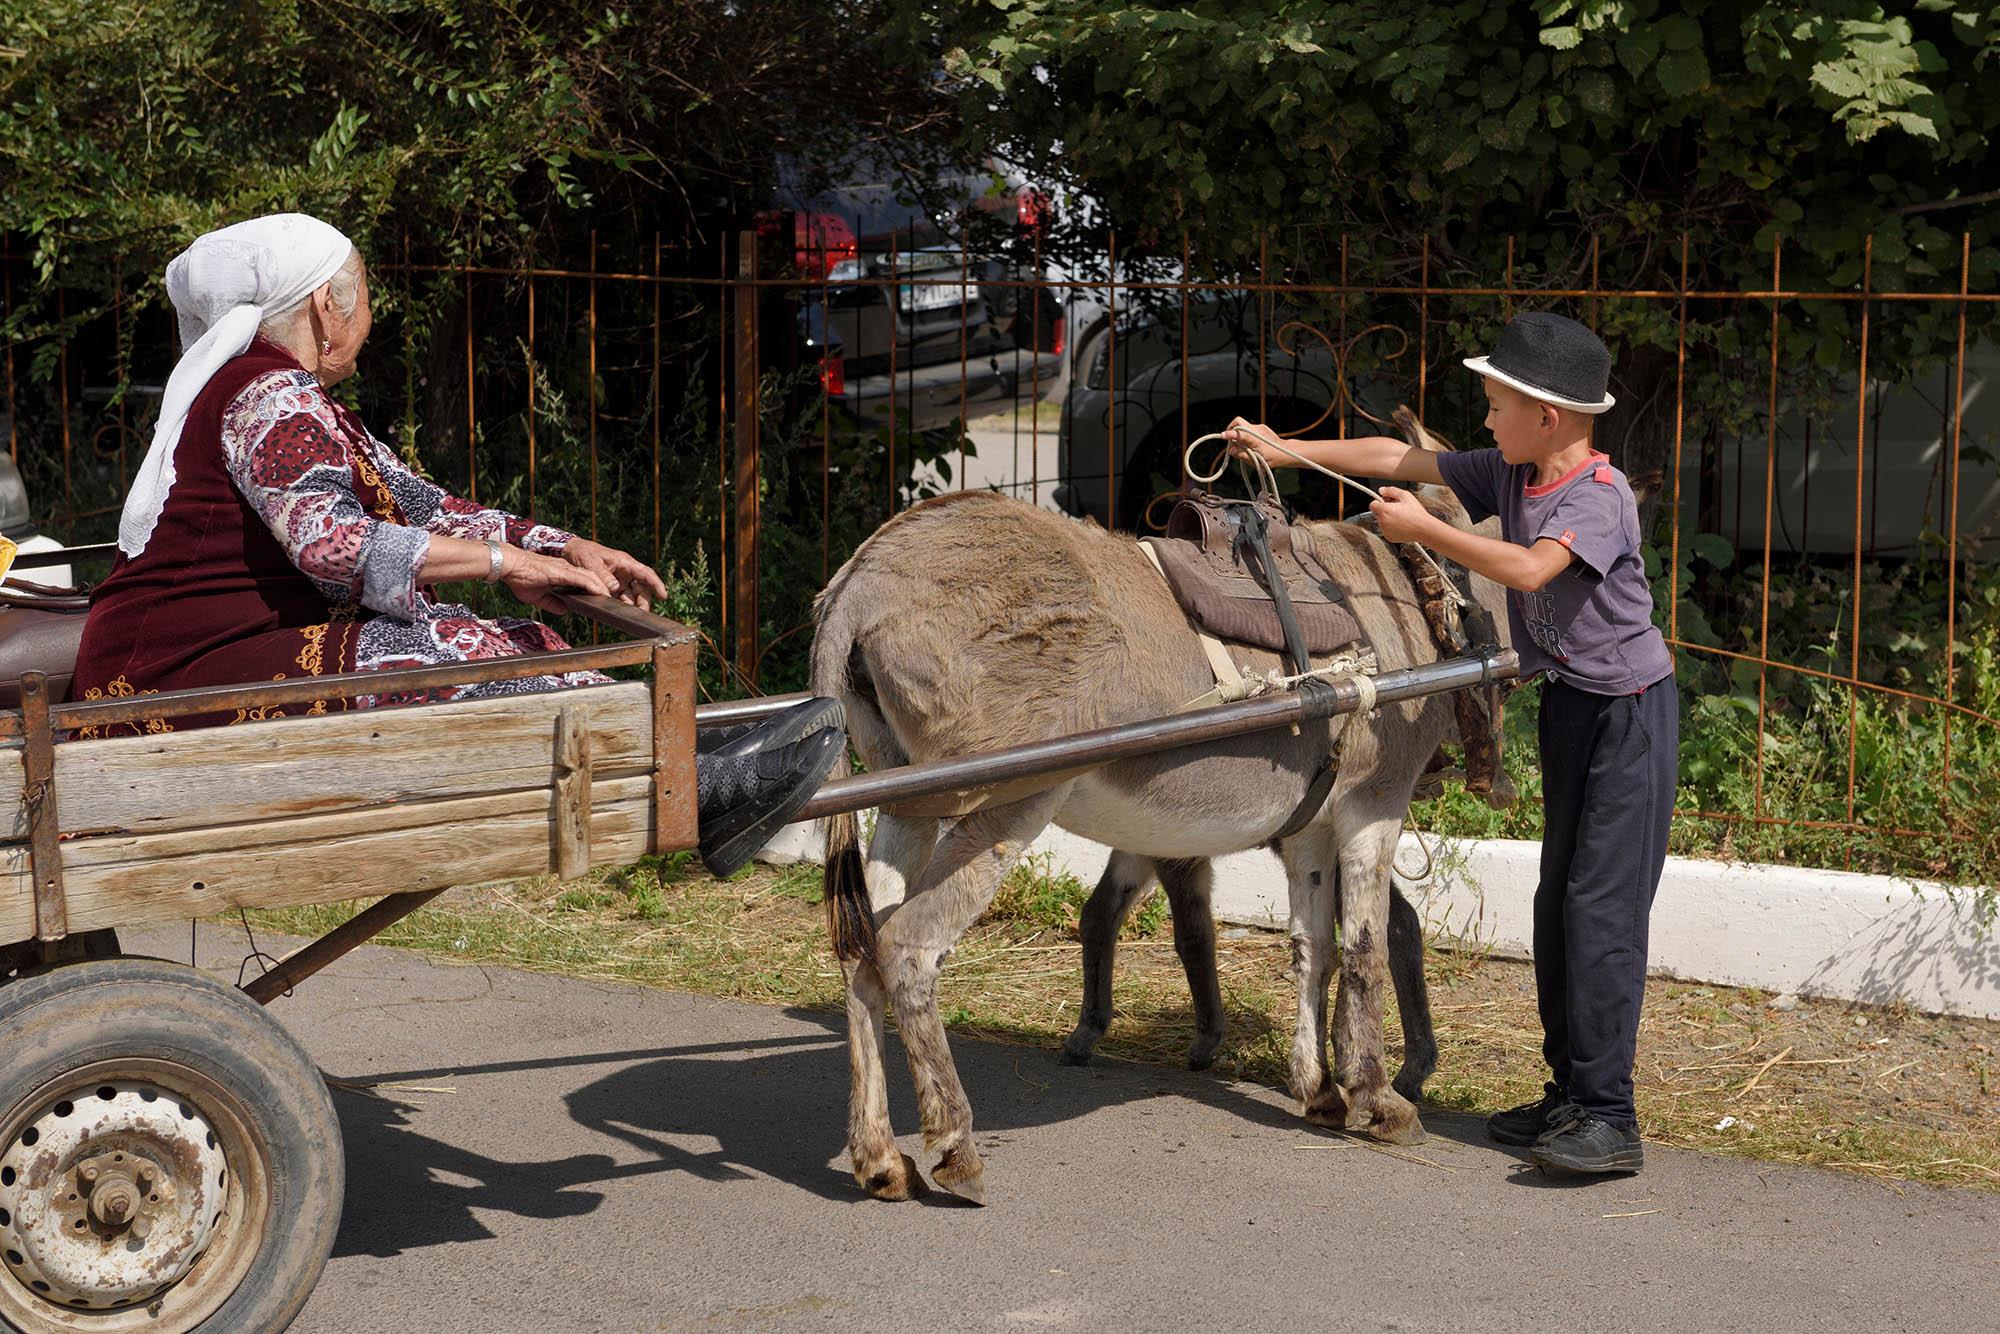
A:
1213,572
37,640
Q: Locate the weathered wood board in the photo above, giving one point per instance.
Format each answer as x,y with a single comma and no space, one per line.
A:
306,810
372,757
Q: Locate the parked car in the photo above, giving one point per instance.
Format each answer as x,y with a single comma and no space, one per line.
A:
928,306
1124,425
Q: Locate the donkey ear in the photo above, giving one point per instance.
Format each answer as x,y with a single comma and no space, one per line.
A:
1646,485
1414,432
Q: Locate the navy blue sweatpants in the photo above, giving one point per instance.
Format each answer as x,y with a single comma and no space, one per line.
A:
1610,765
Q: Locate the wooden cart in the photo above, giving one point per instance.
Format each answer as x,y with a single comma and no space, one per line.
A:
169,1156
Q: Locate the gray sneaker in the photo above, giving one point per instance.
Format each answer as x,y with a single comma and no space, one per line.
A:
1523,1125
1584,1144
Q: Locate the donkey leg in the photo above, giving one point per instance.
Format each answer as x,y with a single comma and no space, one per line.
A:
881,1169
1188,884
897,856
1311,892
964,873
1125,878
1413,998
1372,1106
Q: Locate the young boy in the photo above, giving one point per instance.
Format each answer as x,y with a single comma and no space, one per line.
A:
1581,616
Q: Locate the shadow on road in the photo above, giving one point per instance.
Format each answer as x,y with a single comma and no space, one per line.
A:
726,1111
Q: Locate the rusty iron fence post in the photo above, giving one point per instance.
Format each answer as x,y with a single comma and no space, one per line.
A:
744,474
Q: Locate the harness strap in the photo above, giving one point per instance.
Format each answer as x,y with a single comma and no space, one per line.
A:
1318,790
1253,534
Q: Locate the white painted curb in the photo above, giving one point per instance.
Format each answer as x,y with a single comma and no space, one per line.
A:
1836,934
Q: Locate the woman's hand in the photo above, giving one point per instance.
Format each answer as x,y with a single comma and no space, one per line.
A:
536,579
1246,437
1401,516
631,582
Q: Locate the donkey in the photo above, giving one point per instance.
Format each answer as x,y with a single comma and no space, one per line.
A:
973,622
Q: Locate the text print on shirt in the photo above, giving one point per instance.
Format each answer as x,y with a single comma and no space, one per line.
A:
1538,613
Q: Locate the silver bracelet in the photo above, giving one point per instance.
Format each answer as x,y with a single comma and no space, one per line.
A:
493,561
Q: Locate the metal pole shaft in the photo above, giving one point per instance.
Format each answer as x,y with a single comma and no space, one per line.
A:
308,959
746,710
1149,736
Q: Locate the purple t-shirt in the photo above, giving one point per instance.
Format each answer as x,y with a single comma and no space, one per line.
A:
1591,625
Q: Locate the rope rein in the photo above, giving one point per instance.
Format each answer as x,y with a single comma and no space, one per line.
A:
1270,483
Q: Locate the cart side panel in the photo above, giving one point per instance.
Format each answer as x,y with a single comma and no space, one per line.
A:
368,758
339,806
130,880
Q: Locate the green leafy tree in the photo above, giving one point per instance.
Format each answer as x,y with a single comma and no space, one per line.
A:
1267,130
490,129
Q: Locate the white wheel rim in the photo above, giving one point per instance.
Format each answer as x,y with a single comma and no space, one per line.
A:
109,1194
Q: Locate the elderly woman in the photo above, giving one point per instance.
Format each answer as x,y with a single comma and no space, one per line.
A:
269,536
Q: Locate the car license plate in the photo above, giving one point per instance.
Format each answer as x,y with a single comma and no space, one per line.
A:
934,295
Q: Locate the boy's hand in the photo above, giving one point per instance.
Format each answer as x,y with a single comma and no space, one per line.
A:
1246,437
1401,516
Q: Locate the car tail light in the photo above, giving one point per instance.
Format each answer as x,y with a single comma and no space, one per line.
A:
833,375
1061,336
1031,207
824,240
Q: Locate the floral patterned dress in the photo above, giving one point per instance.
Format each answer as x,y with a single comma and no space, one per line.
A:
287,526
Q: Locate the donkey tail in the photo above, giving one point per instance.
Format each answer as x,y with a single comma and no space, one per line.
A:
850,917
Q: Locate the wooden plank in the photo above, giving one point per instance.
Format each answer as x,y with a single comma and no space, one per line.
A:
17,895
572,788
13,780
368,758
674,814
127,880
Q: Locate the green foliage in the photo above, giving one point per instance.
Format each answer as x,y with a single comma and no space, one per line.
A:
1544,146
453,129
1471,121
1034,894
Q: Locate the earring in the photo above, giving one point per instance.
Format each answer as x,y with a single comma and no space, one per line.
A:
325,346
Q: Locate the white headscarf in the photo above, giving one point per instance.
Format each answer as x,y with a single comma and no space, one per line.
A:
223,286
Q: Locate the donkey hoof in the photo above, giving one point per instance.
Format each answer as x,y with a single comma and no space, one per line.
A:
1201,1054
1072,1055
1078,1046
1387,1116
1409,1085
898,1181
962,1173
1327,1108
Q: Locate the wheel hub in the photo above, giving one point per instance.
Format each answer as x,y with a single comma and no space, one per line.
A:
109,1194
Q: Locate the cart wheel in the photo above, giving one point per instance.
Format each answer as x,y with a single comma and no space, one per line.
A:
169,1157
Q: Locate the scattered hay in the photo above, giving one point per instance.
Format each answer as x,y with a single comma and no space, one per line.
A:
1895,1097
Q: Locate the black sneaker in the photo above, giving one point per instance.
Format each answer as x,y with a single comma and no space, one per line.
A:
758,795
1586,1145
780,729
1523,1125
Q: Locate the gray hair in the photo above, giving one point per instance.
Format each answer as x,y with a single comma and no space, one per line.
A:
344,290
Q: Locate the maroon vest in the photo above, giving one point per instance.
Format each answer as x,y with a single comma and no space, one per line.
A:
214,599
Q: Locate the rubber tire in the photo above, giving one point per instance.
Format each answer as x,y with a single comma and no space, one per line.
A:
109,1009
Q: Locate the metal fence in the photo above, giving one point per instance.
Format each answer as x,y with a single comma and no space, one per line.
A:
682,400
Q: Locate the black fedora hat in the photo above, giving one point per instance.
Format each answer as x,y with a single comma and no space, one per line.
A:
1551,358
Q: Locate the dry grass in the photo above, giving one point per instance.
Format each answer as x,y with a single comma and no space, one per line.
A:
1892,1094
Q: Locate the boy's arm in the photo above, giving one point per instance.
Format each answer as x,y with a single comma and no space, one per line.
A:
1363,456
1526,569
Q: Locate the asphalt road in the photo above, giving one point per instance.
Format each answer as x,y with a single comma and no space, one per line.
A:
572,1156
